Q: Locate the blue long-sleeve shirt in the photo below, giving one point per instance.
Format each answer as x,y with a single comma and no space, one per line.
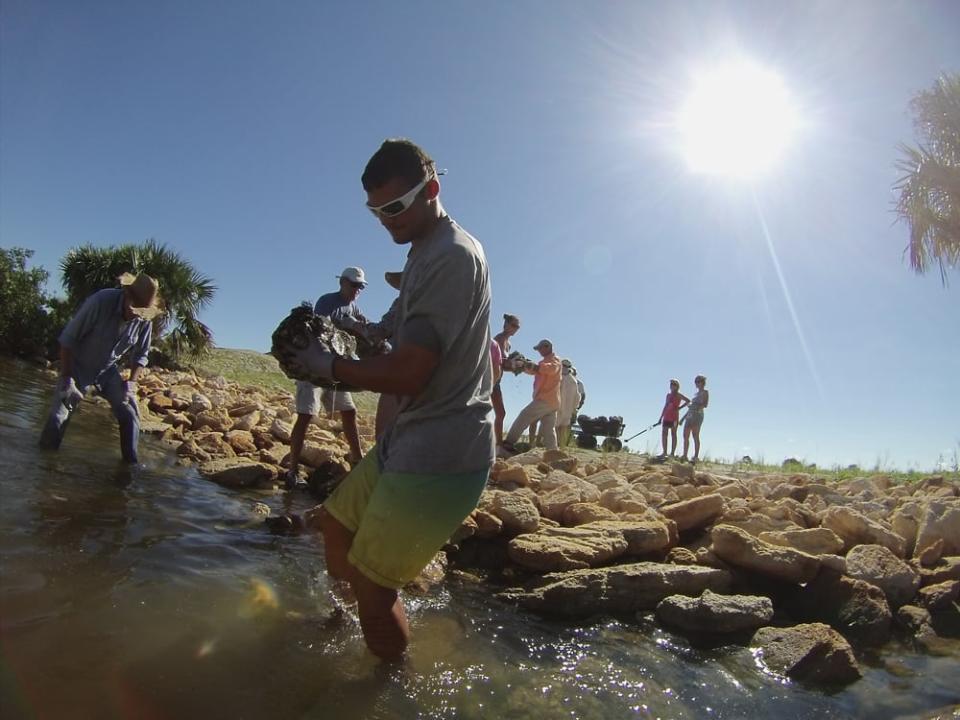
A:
100,338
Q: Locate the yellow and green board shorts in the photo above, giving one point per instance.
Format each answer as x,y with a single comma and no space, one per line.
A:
400,520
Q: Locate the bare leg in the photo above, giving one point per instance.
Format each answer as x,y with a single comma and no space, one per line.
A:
696,444
673,442
663,440
382,618
297,435
349,420
336,544
686,440
499,412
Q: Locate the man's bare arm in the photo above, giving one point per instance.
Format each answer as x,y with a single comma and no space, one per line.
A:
405,371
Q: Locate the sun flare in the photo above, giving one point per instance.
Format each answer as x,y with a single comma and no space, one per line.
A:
736,121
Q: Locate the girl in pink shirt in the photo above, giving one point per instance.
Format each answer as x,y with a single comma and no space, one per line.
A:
670,415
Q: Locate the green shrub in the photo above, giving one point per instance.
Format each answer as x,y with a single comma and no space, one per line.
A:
29,319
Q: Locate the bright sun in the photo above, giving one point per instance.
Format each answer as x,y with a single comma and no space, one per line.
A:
736,121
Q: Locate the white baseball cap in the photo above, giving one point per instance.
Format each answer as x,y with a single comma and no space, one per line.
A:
354,274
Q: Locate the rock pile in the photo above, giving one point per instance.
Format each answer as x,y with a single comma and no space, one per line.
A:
755,553
238,436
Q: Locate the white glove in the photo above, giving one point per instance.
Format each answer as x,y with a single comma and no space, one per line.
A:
70,394
312,362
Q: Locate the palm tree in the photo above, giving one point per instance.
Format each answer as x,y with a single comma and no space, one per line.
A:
183,290
930,188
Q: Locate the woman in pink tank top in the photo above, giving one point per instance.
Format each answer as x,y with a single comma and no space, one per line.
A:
670,416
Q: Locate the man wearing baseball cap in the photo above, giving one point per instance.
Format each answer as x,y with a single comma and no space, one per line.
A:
546,401
112,328
341,306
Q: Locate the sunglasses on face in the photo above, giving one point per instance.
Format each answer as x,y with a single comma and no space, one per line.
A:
400,204
356,285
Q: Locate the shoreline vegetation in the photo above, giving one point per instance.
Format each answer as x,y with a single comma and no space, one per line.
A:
810,566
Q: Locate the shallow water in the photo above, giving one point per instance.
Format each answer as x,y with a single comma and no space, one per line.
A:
157,594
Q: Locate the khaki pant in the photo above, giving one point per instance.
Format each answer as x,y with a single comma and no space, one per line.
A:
537,410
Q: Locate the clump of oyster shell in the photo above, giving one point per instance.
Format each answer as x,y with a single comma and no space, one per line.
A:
294,333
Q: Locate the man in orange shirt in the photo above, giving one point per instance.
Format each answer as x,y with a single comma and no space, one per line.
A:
546,401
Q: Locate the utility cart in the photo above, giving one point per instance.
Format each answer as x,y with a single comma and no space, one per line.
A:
587,430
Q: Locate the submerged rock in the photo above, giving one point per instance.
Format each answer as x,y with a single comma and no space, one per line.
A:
811,653
238,472
616,590
713,613
855,608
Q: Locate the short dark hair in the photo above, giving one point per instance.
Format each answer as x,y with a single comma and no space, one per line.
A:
511,319
396,158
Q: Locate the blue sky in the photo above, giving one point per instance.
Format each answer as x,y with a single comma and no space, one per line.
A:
236,132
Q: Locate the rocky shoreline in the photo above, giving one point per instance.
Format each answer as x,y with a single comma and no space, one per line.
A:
801,568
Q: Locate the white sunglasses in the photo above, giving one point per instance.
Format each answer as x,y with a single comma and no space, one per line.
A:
402,203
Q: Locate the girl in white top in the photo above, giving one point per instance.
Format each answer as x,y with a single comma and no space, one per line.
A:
694,418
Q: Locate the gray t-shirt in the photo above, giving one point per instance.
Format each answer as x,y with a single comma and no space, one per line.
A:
447,428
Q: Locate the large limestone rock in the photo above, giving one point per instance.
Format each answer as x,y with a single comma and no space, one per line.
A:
939,597
617,590
878,566
623,499
516,511
315,455
241,441
236,472
813,541
754,523
916,620
247,422
488,524
809,653
244,407
738,548
948,568
559,548
694,513
855,528
215,420
583,513
191,449
516,474
856,609
712,613
558,490
199,403
606,479
642,537
906,523
281,430
940,521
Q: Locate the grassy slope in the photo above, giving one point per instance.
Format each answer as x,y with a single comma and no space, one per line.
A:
249,367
